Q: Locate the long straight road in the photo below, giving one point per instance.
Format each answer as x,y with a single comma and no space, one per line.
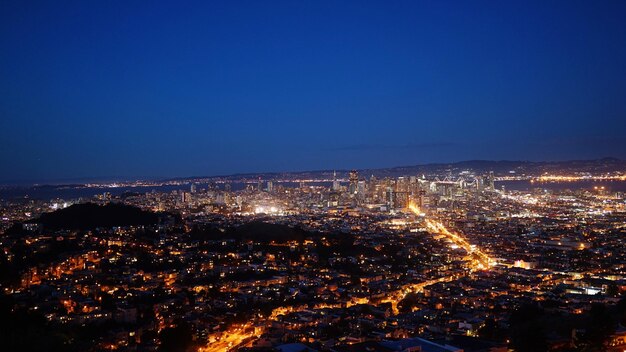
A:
480,260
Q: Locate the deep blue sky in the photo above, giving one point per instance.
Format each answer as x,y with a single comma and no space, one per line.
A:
151,89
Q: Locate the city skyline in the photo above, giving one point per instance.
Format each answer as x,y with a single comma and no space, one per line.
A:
457,258
121,90
313,176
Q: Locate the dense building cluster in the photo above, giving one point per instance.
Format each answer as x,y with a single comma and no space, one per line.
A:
412,263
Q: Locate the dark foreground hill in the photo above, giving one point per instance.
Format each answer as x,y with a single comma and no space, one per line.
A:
89,216
254,231
269,232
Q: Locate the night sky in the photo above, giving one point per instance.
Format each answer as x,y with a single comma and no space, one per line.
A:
153,89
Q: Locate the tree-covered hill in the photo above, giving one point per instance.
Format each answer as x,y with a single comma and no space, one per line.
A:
89,216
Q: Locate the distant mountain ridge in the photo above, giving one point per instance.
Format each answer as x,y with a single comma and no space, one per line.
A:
480,166
608,164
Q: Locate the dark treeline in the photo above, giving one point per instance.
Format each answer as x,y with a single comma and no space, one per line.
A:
90,216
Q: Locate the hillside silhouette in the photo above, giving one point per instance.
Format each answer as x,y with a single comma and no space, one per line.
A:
89,216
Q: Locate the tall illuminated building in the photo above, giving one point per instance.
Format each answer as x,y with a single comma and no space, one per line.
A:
491,180
336,184
354,180
186,197
389,197
361,188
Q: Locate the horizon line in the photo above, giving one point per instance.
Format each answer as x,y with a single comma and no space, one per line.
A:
107,179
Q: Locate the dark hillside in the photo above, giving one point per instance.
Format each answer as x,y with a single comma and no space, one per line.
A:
89,216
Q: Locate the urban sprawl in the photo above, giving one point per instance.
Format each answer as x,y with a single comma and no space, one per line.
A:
453,262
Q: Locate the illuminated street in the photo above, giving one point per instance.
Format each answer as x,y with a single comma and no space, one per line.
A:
480,259
313,176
